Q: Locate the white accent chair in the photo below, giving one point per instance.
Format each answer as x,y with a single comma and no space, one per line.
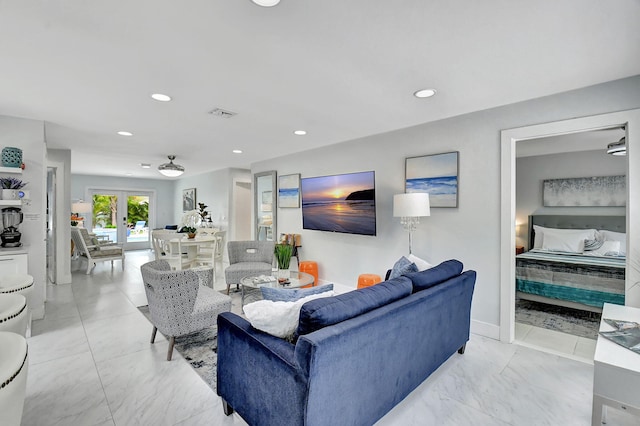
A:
178,303
89,248
14,313
14,363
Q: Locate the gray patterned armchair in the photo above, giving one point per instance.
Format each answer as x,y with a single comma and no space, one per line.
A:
248,258
178,303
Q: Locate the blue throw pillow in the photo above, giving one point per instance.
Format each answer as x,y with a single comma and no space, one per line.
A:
290,294
401,267
438,274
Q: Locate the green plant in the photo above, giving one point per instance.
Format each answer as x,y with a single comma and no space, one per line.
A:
202,211
283,254
188,230
11,183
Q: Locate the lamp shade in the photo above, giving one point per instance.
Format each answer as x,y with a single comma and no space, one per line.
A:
170,169
413,204
81,207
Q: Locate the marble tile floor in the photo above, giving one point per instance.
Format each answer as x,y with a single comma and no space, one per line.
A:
91,363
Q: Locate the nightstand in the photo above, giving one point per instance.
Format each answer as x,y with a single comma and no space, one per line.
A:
519,250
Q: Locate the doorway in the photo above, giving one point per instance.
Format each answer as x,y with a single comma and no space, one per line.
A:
123,217
631,121
51,225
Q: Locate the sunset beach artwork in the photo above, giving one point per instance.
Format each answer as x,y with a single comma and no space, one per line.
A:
340,203
436,174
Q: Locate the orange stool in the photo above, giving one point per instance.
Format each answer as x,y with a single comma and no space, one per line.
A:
367,280
310,267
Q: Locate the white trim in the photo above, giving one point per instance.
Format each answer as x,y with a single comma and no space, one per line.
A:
485,329
631,120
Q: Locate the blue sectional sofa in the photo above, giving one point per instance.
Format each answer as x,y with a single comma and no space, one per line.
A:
356,356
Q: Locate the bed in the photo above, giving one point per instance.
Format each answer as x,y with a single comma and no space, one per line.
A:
566,278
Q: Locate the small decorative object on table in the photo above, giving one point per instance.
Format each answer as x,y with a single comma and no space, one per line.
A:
189,230
11,157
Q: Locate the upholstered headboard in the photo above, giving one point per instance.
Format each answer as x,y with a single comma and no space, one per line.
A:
610,223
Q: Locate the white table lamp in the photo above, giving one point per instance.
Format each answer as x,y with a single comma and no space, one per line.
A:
410,208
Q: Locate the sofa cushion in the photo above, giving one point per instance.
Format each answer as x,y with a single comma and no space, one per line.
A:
424,279
401,267
291,294
320,313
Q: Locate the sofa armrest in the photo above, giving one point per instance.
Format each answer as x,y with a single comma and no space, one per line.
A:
257,374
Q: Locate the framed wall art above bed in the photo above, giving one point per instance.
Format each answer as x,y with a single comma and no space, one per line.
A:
596,191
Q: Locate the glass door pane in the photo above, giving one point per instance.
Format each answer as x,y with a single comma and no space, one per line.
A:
105,221
137,221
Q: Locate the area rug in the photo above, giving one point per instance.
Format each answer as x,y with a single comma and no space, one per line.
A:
558,318
199,349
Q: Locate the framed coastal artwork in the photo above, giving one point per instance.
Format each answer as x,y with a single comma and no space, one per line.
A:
289,191
188,199
435,174
596,191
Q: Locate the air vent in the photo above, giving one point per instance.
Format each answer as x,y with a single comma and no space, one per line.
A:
222,113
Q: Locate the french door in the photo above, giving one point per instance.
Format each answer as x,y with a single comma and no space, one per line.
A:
122,217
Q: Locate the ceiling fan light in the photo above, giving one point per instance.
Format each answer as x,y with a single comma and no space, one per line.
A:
618,148
266,3
170,169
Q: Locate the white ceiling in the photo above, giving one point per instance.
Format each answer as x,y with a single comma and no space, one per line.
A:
339,69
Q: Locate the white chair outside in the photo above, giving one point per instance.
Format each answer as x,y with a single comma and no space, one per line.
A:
14,364
89,248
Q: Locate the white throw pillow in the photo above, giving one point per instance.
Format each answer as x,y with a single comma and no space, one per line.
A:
616,236
563,242
420,263
279,319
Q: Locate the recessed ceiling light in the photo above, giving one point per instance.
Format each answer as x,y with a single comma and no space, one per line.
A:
145,165
425,93
160,97
123,133
266,3
300,132
237,151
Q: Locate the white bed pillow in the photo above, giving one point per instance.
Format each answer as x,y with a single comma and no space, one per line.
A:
279,319
608,248
616,236
568,243
540,232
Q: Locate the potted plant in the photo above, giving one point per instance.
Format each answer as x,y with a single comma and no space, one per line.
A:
283,254
189,230
10,187
202,211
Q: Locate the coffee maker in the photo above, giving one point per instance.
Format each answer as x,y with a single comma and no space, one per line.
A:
11,218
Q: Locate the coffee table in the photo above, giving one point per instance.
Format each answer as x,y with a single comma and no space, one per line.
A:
296,280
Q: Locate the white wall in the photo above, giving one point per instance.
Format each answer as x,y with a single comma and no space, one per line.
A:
164,189
63,210
531,171
471,232
28,135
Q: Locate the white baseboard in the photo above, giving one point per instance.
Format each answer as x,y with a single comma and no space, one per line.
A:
485,329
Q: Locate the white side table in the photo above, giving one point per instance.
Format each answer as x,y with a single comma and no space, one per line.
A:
616,370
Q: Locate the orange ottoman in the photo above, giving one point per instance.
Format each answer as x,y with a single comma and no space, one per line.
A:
310,267
367,280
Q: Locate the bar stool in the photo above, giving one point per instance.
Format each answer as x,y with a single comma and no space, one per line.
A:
14,364
310,267
367,280
13,313
17,283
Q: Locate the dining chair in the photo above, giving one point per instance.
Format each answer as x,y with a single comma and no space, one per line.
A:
164,249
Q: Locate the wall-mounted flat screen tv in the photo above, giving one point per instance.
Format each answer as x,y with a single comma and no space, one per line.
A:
340,203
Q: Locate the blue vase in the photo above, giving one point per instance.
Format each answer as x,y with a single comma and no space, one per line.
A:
11,157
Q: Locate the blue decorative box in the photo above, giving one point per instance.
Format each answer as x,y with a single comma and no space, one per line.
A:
11,157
